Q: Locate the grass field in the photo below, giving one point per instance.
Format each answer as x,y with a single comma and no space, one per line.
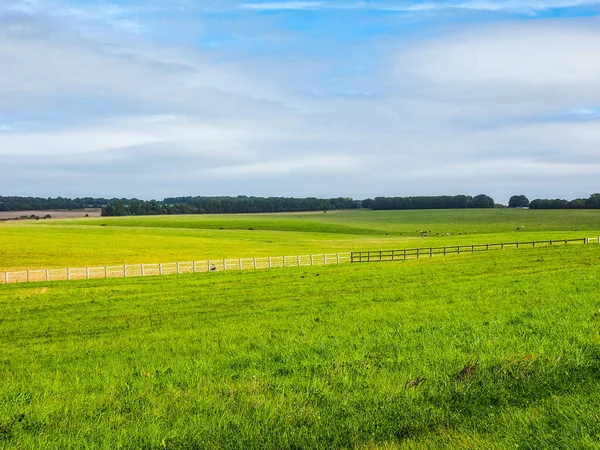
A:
493,350
131,240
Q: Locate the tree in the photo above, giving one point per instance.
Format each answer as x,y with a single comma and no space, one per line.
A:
482,201
518,201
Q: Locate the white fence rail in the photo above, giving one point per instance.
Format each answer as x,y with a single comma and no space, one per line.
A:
143,270
266,262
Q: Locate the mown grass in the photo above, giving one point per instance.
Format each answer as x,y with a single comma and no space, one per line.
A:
154,239
491,350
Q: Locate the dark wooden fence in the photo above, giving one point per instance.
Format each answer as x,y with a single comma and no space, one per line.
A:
413,253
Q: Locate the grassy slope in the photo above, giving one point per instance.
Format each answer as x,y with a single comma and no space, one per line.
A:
74,243
289,359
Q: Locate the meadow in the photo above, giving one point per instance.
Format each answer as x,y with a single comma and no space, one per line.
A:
133,240
491,350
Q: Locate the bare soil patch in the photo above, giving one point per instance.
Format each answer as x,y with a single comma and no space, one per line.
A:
54,214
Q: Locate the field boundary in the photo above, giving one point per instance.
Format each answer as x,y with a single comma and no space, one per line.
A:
266,262
414,253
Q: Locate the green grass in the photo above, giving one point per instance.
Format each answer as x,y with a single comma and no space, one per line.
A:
315,357
131,240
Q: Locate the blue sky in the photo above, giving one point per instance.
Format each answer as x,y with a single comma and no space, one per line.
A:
299,98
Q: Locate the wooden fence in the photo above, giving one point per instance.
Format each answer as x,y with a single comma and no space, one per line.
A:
142,270
413,253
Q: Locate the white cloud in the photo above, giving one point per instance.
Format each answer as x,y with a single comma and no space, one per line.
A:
282,6
547,65
513,6
474,111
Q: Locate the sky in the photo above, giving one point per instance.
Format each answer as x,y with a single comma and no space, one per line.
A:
154,98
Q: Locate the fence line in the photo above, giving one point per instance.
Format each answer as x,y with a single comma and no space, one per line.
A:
143,270
267,262
414,253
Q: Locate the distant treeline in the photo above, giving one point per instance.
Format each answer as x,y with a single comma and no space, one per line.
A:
44,204
435,202
593,202
239,204
226,205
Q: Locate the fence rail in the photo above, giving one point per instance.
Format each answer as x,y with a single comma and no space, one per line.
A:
413,253
267,262
143,270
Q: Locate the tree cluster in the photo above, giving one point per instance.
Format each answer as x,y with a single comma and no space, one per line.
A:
593,202
430,202
518,201
39,203
226,205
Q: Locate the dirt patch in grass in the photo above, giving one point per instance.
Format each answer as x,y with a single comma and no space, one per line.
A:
54,214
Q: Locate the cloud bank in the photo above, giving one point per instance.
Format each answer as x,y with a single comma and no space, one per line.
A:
104,103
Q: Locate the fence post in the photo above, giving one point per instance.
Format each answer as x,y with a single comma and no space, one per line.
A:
298,258
418,252
284,261
124,271
393,251
69,274
565,242
430,252
324,258
193,266
404,254
369,256
337,255
254,261
142,269
47,275
177,267
517,245
105,271
87,273
28,276
269,258
240,263
458,251
472,249
487,246
6,277
444,251
311,259
502,246
224,264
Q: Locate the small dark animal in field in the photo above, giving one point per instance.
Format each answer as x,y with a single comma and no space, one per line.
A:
317,275
414,383
251,229
466,372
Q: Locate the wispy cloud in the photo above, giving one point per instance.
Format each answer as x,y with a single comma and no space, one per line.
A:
475,5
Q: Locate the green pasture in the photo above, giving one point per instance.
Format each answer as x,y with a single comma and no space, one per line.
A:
152,239
482,351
